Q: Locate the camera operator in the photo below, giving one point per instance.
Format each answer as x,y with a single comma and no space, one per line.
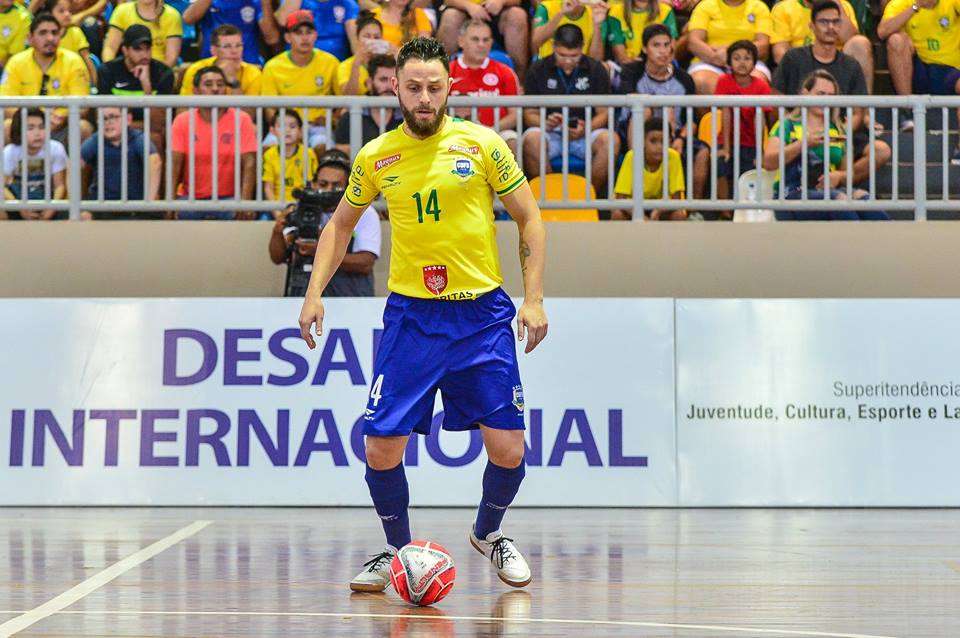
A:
295,234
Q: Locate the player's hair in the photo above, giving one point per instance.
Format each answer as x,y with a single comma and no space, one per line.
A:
653,30
473,22
366,18
823,5
275,121
206,71
653,10
742,45
568,36
425,49
382,61
15,124
222,30
40,18
653,125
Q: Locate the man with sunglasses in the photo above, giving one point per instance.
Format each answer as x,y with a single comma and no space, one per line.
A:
46,69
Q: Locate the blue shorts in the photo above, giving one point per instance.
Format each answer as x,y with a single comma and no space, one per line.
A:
464,349
934,79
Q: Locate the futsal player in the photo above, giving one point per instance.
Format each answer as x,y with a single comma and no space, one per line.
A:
447,322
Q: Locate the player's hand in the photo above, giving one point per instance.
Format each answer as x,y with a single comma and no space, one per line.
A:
311,313
532,324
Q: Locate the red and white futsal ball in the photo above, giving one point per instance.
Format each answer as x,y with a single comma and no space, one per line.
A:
422,573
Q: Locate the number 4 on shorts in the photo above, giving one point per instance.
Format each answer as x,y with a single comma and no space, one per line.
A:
375,390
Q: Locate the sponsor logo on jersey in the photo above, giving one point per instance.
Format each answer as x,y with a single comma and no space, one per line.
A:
463,168
435,279
518,397
384,162
469,150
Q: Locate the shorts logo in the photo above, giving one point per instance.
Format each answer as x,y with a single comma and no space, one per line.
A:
384,162
518,397
491,79
463,168
469,150
435,279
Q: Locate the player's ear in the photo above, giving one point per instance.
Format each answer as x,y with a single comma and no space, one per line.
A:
395,84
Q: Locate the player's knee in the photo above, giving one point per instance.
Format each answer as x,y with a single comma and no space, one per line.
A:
383,453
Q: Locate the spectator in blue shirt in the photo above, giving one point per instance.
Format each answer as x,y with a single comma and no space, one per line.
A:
336,22
254,18
112,161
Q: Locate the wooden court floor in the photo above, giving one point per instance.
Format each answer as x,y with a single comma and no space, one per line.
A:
618,572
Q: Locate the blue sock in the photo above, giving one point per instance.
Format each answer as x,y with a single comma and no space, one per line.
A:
500,486
391,497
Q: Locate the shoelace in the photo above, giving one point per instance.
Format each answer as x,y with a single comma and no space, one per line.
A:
374,563
501,551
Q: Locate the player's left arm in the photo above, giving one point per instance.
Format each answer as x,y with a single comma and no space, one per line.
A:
531,318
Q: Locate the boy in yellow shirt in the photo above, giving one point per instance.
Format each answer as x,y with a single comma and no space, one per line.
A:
653,162
293,172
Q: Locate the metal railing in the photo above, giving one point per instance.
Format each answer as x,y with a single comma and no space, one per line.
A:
616,108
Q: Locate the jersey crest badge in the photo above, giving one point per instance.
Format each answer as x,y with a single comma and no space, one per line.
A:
247,14
319,81
384,162
518,397
491,79
945,22
463,168
6,32
339,13
435,279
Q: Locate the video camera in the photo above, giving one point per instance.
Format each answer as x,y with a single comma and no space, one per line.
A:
311,205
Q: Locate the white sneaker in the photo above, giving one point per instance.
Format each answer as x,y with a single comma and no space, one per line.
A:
511,567
376,572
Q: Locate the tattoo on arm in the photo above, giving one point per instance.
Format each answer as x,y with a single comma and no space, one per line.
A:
524,253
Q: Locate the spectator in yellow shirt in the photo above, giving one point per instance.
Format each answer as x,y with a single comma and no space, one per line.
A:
553,14
293,172
793,27
923,48
653,161
46,69
72,38
352,74
715,25
402,21
226,45
302,71
14,29
163,21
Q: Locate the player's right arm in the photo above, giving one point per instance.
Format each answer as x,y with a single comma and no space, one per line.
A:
333,244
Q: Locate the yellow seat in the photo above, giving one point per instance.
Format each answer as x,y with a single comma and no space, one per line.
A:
576,190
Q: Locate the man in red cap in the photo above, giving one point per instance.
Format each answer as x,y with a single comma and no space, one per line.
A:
304,71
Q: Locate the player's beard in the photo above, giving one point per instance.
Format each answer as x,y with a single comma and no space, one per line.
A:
423,128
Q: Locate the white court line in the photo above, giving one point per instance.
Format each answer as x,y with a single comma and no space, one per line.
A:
75,593
554,621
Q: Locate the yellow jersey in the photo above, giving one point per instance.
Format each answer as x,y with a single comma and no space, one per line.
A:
440,195
394,32
14,30
343,76
168,25
639,20
67,75
74,40
292,170
549,8
725,24
281,76
249,77
652,180
935,32
791,22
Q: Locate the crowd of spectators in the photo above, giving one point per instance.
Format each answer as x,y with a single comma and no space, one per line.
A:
500,47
